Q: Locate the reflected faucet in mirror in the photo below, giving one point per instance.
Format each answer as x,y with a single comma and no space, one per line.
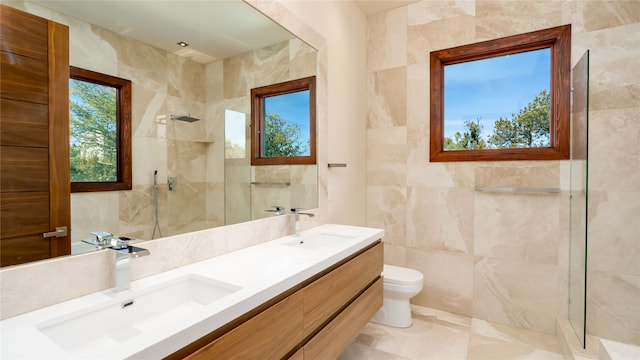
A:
277,209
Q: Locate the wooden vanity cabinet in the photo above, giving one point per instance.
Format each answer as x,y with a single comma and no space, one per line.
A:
316,319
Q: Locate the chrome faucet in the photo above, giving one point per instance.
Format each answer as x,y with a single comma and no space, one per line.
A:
124,254
297,212
279,210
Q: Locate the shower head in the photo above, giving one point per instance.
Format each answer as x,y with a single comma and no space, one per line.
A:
186,117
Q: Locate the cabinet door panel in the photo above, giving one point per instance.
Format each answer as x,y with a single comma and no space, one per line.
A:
331,341
325,296
269,335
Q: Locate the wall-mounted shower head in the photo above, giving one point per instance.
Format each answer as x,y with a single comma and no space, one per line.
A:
186,117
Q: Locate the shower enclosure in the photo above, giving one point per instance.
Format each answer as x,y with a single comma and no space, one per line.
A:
579,199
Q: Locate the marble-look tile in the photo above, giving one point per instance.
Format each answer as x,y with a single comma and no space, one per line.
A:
386,210
523,227
616,163
139,62
497,19
93,212
444,288
214,80
516,293
543,174
35,285
388,147
481,347
137,214
186,160
423,340
613,230
268,65
386,39
150,156
612,306
387,97
585,16
418,98
186,206
186,78
394,254
614,82
440,335
427,11
148,112
440,219
438,35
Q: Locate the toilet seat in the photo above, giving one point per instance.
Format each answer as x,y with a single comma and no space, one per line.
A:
401,276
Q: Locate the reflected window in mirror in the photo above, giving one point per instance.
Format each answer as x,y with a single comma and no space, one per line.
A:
283,123
503,99
100,131
235,138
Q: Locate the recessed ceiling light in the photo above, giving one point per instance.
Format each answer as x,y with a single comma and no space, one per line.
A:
182,43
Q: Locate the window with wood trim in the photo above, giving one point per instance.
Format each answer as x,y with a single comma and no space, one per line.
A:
475,112
283,123
100,131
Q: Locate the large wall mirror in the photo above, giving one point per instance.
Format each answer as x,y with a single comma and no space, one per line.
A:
192,66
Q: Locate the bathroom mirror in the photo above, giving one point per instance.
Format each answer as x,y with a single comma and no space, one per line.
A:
231,49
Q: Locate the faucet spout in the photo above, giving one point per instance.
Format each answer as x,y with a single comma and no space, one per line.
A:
124,254
297,212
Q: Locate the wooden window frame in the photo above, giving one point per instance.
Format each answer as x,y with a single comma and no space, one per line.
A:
257,104
558,39
123,105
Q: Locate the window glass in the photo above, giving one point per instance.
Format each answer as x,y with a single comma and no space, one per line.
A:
286,120
94,130
100,131
283,123
499,102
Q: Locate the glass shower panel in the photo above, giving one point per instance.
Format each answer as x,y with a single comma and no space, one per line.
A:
579,198
237,168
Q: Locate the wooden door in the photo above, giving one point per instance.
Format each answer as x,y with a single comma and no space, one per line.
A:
34,137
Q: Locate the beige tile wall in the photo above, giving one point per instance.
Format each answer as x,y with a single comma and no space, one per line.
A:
504,257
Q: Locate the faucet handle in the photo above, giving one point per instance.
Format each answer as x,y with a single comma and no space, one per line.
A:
121,242
102,237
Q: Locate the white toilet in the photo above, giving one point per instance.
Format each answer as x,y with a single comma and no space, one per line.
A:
400,284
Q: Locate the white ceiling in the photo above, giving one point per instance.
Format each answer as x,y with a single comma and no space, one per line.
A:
214,29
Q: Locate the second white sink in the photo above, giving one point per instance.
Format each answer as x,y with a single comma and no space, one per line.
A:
318,241
168,305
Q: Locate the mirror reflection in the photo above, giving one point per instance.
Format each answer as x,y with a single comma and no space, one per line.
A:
231,49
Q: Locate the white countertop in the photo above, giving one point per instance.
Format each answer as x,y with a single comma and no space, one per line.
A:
262,272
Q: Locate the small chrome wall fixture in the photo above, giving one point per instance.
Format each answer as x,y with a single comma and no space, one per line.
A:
172,182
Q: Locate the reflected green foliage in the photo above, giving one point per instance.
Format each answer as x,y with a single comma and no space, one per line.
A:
528,128
93,132
232,150
282,138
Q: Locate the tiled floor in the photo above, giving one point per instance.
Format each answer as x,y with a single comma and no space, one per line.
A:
443,336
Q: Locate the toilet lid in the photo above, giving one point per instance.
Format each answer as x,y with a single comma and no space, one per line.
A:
401,276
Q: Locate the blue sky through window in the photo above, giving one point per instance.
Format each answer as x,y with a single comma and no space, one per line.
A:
492,88
292,108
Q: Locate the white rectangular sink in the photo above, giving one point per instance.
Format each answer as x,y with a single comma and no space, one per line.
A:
167,305
318,241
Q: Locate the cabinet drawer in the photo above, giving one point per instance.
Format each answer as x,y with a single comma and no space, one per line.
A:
331,341
327,295
269,335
